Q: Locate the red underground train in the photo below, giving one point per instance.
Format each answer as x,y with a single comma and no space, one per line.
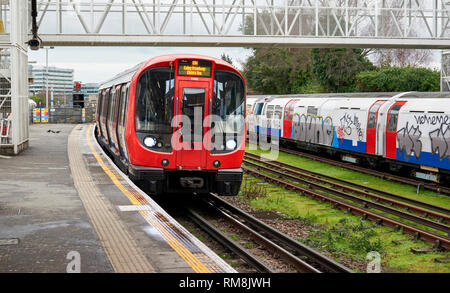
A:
176,123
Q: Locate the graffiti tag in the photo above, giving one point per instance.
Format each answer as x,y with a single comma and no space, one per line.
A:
440,141
313,129
409,141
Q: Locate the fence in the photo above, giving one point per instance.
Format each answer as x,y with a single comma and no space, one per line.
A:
63,115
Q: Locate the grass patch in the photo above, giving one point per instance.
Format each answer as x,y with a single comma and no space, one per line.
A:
361,178
346,235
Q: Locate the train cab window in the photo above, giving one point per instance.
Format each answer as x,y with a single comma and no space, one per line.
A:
258,108
155,101
393,118
228,104
155,107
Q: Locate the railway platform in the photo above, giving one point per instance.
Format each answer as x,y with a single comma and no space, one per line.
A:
65,207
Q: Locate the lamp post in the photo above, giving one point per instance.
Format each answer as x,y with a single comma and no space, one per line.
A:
46,79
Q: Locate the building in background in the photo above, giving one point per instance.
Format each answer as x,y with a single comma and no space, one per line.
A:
60,80
89,89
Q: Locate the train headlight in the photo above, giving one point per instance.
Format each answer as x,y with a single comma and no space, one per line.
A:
150,141
231,144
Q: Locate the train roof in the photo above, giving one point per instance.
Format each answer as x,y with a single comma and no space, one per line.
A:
380,95
127,75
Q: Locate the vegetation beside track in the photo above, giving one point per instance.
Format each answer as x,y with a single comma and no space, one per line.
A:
344,235
363,179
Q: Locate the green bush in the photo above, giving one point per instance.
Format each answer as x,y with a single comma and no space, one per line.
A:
397,79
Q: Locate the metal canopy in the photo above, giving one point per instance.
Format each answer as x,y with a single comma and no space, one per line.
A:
246,23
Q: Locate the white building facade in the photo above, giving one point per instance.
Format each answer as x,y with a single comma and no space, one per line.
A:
60,80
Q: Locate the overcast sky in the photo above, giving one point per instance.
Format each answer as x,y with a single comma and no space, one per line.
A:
98,64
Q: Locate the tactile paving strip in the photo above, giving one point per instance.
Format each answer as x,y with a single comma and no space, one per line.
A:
194,252
121,249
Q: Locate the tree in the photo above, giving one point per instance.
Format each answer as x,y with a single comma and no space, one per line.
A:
226,58
336,69
279,70
399,80
401,57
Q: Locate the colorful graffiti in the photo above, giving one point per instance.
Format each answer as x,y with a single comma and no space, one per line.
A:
409,141
410,138
347,121
313,129
440,141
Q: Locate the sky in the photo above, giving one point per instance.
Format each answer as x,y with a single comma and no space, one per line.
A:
98,64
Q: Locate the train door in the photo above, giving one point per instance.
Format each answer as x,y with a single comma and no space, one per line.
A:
277,121
122,121
391,131
193,104
372,127
268,120
287,119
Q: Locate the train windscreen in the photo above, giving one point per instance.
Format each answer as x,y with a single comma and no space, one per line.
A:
228,105
155,105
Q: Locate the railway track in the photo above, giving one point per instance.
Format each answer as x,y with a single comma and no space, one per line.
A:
430,186
362,204
303,258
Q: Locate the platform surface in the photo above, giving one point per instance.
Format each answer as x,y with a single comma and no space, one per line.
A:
63,197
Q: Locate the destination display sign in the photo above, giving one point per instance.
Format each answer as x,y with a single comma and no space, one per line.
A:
191,67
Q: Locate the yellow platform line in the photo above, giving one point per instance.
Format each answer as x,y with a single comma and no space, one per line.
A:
182,251
120,248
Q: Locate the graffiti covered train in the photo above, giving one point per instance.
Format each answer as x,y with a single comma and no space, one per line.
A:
406,132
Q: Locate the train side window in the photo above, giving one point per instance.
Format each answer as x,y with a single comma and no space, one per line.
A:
99,103
291,111
258,108
123,105
105,103
373,116
117,104
269,111
393,118
286,113
312,110
110,108
278,112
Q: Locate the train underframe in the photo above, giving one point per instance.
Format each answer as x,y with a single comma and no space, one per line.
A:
224,182
370,161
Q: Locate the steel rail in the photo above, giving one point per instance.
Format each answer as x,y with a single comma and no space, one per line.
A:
364,190
324,262
299,264
229,243
383,175
379,219
365,204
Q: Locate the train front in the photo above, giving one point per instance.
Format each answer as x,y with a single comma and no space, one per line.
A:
189,127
